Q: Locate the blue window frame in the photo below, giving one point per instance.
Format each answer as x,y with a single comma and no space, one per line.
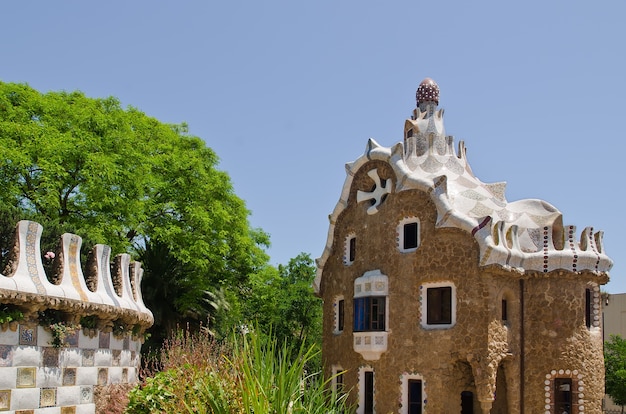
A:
369,314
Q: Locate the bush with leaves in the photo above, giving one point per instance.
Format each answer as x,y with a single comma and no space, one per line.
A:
250,375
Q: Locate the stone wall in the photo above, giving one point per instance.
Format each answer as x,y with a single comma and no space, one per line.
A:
77,329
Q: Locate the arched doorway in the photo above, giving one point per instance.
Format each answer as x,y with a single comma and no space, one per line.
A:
501,402
467,402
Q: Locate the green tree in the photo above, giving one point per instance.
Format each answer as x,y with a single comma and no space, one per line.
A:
119,177
282,301
615,369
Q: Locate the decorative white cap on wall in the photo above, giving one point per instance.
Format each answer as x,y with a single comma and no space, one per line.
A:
114,296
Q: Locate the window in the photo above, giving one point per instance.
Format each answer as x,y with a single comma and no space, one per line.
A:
415,396
592,307
408,234
588,308
438,307
564,392
339,309
368,392
349,254
563,395
352,249
369,314
412,392
338,380
340,318
509,308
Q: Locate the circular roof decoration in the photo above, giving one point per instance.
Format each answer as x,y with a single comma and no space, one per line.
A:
428,91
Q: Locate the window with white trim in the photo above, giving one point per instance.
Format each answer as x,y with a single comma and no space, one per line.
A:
370,302
371,314
349,254
339,312
412,394
438,305
338,380
564,392
588,308
408,234
366,391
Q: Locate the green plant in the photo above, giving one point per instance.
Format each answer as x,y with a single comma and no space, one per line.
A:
59,333
154,396
54,321
89,322
615,364
274,379
248,374
120,329
10,313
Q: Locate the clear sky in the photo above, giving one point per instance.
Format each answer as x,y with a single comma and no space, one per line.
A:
287,92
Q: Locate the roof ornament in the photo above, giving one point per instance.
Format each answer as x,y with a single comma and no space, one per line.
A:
427,94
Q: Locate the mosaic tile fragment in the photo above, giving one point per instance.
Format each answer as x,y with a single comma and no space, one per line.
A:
117,356
69,376
27,335
50,356
48,397
86,395
72,339
6,355
5,400
68,409
103,376
88,357
105,340
26,377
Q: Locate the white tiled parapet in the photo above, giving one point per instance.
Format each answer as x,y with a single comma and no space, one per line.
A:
34,375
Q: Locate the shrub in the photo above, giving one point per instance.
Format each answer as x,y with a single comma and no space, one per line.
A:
112,398
191,374
250,375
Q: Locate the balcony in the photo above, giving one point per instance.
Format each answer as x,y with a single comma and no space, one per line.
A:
370,345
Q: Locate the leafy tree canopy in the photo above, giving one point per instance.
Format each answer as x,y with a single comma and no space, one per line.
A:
615,366
282,301
117,176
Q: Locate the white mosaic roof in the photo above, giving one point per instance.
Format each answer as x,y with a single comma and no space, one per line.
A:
526,235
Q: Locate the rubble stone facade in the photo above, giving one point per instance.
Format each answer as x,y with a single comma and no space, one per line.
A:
442,297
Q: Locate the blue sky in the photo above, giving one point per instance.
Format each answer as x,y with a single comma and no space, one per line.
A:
287,92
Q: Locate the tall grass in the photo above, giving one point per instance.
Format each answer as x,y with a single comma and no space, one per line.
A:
252,374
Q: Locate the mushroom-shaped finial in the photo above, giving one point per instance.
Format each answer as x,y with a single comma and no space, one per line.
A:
428,91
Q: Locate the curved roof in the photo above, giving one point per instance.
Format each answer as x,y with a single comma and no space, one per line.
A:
526,235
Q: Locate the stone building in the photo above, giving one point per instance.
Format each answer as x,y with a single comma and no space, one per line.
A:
440,296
